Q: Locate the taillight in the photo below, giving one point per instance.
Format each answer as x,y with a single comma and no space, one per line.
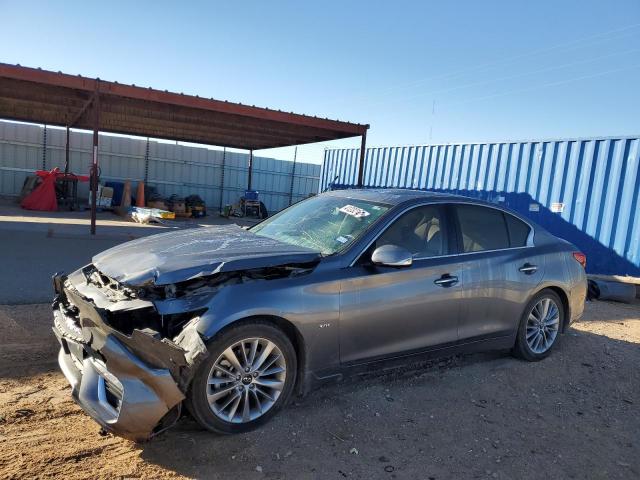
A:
581,258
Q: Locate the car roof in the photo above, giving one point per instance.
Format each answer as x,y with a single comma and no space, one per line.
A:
396,196
403,196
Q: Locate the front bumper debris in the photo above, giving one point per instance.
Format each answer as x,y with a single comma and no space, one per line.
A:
132,386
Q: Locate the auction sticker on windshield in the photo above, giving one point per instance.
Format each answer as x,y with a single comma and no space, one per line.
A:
354,211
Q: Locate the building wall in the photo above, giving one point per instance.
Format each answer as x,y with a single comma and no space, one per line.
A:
584,190
218,177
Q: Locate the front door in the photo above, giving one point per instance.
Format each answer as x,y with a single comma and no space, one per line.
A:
390,311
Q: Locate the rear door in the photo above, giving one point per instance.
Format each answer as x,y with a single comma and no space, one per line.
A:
501,270
387,311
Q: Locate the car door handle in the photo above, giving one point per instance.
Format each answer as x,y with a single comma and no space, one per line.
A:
446,280
528,268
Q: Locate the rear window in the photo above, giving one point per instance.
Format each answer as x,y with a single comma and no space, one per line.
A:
518,231
482,228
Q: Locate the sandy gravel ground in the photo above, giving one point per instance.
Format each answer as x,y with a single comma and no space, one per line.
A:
574,415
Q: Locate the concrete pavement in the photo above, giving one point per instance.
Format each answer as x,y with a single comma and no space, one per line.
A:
35,245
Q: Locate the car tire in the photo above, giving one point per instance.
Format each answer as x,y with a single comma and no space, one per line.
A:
265,394
540,326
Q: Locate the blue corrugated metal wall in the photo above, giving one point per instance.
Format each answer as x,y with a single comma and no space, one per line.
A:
584,190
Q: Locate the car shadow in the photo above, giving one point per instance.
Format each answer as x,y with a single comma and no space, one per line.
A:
394,414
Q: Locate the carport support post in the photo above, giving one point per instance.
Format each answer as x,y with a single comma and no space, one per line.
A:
94,181
224,158
363,151
293,174
250,168
66,166
94,165
66,155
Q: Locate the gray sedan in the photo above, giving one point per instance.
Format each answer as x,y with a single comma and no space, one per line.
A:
230,323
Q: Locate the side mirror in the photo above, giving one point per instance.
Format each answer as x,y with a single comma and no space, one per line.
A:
392,256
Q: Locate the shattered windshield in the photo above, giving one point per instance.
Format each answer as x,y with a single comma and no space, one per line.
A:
325,223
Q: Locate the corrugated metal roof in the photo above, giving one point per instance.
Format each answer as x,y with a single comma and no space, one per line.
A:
55,98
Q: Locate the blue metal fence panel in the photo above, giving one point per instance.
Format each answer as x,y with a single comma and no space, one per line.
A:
584,190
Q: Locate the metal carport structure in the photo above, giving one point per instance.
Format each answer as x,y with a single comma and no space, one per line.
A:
55,98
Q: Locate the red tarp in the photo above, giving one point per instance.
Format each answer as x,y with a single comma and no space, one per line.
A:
43,197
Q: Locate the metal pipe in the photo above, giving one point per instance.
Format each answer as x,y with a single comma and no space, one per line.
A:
293,174
44,148
146,163
250,168
66,155
94,165
224,157
363,151
66,172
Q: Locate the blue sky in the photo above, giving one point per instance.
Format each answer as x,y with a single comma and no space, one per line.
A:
495,69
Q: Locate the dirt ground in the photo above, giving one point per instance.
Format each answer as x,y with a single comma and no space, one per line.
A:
574,415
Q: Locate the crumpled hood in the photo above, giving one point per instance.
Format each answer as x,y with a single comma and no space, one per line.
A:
186,254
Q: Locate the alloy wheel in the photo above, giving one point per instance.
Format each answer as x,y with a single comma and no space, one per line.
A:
543,324
246,380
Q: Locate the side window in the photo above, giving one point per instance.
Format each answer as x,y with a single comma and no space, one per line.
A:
518,231
482,228
421,231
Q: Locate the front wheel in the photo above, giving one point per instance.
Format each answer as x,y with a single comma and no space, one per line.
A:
249,375
539,326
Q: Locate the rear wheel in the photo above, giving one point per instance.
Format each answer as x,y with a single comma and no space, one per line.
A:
249,375
539,326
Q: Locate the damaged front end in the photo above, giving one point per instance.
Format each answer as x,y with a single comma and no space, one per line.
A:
128,366
128,322
130,353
